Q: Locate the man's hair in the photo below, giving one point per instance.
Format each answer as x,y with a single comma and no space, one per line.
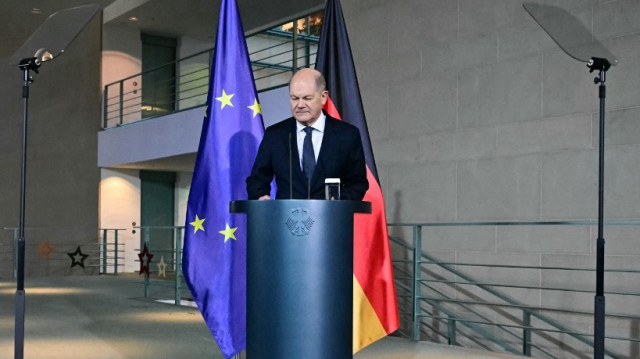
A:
321,82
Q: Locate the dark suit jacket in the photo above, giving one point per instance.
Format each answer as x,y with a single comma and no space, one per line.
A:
341,156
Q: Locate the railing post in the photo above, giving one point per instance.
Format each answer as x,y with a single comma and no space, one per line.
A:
294,50
451,331
177,261
417,259
105,107
121,110
307,51
115,252
15,252
145,237
103,251
526,333
307,48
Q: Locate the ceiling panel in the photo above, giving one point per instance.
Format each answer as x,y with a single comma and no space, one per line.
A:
194,18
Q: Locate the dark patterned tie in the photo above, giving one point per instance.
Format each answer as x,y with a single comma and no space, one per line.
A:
308,157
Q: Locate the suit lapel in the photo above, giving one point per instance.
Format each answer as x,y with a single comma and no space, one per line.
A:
298,176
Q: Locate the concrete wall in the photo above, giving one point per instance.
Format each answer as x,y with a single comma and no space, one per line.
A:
476,115
478,93
121,58
62,177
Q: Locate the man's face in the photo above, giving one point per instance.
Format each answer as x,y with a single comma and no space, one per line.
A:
306,100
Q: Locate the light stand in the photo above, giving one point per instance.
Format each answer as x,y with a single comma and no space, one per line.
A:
55,34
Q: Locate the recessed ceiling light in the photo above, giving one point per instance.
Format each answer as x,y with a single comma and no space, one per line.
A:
133,19
36,10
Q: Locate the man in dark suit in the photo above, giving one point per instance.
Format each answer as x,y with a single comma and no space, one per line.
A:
300,163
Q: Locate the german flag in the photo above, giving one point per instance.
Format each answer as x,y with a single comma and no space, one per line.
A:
375,309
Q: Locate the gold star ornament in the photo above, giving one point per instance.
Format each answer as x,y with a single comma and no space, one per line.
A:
162,268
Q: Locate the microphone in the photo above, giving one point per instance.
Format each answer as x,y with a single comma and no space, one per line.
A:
290,169
309,188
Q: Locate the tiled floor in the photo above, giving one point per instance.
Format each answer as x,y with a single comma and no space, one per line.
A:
107,317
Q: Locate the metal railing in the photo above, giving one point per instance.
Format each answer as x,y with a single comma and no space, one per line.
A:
157,245
274,54
111,251
485,305
462,303
105,253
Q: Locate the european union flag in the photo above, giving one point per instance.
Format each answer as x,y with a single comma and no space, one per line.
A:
214,259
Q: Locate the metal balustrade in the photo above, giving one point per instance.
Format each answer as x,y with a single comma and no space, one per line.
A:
442,298
104,252
458,303
274,54
111,251
452,302
173,273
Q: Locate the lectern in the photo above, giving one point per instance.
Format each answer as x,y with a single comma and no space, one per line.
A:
299,277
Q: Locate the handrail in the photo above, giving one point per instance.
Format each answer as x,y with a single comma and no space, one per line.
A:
153,69
105,250
425,259
523,286
612,270
582,222
519,306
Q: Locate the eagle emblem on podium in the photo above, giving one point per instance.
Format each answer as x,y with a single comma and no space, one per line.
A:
299,222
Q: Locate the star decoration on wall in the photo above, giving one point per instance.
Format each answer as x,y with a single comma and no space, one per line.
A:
77,258
45,248
162,267
145,260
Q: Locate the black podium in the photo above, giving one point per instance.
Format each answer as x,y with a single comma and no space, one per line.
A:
299,277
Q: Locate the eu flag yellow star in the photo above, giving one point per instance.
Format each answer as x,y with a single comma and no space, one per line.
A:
197,224
228,233
225,100
255,108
